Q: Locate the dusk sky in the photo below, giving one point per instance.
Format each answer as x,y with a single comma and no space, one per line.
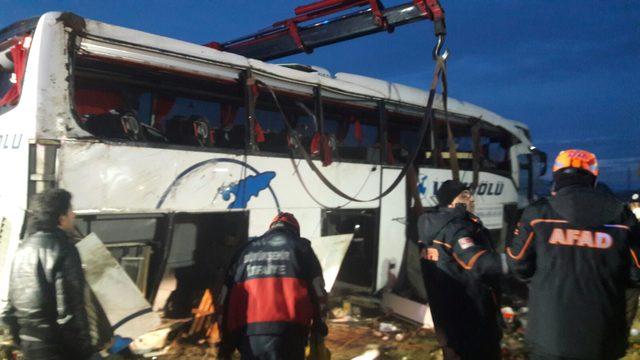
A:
568,69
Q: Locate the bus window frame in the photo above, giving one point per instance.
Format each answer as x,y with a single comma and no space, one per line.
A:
439,143
160,244
410,116
352,103
513,140
265,103
155,90
400,111
383,108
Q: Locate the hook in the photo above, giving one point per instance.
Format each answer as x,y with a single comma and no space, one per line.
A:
437,50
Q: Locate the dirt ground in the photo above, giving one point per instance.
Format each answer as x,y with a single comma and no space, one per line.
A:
348,340
345,341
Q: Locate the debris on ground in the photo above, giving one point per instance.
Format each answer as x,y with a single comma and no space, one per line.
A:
352,336
349,341
372,353
387,327
150,342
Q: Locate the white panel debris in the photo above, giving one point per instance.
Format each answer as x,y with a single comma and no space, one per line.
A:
330,251
127,310
408,309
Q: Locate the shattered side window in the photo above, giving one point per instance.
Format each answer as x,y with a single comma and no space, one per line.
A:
494,149
124,102
359,264
462,136
124,230
271,133
403,127
352,130
132,241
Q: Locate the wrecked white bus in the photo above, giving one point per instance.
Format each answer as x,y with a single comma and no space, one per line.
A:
174,158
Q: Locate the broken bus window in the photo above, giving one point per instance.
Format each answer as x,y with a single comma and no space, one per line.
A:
157,106
351,126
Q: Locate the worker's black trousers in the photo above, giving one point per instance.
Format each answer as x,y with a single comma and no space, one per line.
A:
37,350
273,347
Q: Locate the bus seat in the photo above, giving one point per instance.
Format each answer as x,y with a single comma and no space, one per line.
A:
114,125
231,137
152,134
192,130
275,142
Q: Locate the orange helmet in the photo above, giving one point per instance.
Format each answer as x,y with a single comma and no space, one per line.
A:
576,159
287,218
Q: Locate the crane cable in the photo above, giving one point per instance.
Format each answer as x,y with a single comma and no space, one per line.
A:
439,76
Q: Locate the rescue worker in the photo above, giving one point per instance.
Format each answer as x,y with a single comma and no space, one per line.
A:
46,307
579,250
273,295
633,294
461,271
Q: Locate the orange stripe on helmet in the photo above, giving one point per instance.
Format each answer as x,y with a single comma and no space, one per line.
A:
577,159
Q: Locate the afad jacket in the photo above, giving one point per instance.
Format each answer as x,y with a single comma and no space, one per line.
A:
579,252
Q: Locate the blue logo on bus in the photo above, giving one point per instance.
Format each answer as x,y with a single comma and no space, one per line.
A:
246,188
243,190
422,187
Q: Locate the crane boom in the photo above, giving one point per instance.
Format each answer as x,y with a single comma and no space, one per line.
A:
299,34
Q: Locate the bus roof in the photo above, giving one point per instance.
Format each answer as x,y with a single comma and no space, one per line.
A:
357,85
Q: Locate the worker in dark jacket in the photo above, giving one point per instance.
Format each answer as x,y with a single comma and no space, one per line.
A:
273,296
461,270
633,293
579,251
46,308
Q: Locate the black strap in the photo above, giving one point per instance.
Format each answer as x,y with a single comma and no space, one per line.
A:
438,75
475,136
453,148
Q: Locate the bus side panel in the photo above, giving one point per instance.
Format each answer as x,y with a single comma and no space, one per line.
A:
114,177
392,224
17,129
117,177
14,183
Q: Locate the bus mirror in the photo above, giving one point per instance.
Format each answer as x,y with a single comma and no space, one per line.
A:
541,158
